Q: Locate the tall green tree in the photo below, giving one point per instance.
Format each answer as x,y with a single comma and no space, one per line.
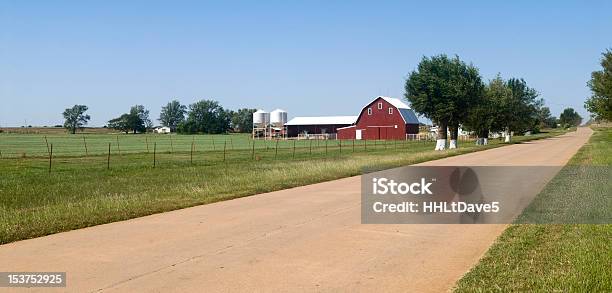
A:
569,118
484,117
444,89
242,120
75,118
172,114
600,102
518,111
206,116
536,116
546,119
137,120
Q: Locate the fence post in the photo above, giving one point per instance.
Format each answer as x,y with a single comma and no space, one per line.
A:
213,141
108,157
50,158
85,143
353,145
224,147
147,143
154,154
340,146
276,150
118,148
365,144
310,146
293,157
253,151
171,145
47,143
191,154
326,147
232,143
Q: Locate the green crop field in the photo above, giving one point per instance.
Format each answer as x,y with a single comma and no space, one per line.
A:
39,196
557,257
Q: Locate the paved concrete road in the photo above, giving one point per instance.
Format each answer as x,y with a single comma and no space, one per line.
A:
301,239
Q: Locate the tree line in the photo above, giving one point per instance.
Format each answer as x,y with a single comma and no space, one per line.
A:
204,116
446,90
452,94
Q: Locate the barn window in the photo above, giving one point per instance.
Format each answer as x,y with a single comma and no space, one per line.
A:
390,110
369,111
379,106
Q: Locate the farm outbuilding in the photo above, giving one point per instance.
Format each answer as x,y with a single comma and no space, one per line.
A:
318,127
161,129
383,118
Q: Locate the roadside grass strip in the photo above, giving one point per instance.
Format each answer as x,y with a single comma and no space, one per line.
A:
557,257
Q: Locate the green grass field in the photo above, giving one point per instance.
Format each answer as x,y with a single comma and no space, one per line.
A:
36,145
82,191
557,257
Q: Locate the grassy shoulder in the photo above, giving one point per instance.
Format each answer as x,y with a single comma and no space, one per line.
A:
557,257
81,191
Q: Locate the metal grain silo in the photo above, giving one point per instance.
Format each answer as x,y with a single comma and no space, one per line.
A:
261,119
278,118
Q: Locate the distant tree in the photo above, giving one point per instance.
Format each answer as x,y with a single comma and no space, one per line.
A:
518,111
546,119
484,117
444,89
600,103
242,120
536,116
120,123
206,116
172,114
137,120
569,118
75,118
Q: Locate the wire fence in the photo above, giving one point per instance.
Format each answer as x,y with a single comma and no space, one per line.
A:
35,146
55,154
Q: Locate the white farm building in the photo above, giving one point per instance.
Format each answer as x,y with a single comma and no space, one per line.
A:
161,129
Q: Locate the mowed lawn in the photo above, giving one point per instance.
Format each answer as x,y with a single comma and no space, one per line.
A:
82,191
558,257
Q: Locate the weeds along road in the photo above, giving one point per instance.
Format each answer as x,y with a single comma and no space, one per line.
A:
302,239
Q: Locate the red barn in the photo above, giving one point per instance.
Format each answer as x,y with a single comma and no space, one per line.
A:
383,118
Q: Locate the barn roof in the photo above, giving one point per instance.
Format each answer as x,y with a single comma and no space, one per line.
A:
322,120
395,102
404,109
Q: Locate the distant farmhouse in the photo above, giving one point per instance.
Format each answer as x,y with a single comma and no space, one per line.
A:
161,129
382,118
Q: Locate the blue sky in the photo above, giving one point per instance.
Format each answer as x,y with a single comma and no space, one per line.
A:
307,57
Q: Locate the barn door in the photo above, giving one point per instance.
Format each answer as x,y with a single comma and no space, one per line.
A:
358,134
